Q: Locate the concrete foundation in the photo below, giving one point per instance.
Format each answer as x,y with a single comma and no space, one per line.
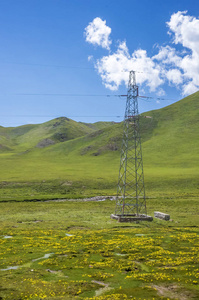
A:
162,216
131,218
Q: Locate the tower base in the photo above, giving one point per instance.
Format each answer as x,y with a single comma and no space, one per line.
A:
131,218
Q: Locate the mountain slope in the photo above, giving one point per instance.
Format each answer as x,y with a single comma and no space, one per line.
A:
169,136
42,135
175,134
89,159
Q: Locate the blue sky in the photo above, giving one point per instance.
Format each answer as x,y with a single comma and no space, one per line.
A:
76,47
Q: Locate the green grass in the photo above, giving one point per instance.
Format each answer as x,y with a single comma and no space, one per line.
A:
61,129
93,256
157,260
88,155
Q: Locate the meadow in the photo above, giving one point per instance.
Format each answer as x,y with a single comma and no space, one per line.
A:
73,250
57,245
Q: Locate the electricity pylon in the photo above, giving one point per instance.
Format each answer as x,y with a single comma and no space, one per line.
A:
130,200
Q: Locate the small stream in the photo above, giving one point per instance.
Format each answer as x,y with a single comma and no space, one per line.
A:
47,255
43,257
10,268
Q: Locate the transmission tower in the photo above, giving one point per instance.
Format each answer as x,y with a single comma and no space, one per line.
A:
130,200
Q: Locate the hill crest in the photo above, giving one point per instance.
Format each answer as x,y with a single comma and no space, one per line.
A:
45,134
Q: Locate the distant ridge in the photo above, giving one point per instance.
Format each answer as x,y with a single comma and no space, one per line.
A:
162,131
46,134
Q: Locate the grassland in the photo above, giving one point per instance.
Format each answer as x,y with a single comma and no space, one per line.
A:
71,249
83,159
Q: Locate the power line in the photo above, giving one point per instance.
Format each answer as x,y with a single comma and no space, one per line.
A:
48,116
156,98
148,97
88,95
78,95
46,65
66,67
61,66
68,95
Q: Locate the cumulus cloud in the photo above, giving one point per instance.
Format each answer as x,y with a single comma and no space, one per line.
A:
167,55
90,57
185,31
97,33
114,68
174,76
179,68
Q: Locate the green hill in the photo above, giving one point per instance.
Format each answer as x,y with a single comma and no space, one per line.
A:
43,135
64,158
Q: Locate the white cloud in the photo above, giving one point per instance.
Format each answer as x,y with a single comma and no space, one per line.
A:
97,33
90,57
174,76
114,68
190,88
177,67
185,29
167,55
161,92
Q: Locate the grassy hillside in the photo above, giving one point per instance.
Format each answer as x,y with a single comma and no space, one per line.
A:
43,135
83,159
175,134
72,249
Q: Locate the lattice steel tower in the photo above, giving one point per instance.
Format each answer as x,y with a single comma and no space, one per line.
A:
130,201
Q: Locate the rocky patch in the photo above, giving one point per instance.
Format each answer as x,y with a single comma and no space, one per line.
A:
45,143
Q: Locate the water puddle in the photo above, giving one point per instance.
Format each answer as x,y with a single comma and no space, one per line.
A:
105,288
120,254
52,271
27,265
10,268
102,290
30,221
139,234
43,257
67,234
101,200
97,199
